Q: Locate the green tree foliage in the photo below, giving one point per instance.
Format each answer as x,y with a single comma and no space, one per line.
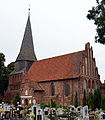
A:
97,14
76,100
84,101
43,105
94,100
52,103
103,103
3,75
90,102
16,99
4,72
10,67
97,98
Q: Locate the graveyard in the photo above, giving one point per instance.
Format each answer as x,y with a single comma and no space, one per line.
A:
49,112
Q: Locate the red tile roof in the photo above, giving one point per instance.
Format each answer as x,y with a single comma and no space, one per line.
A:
56,68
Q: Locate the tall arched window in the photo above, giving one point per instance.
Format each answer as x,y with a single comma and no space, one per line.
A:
93,84
67,89
89,83
52,89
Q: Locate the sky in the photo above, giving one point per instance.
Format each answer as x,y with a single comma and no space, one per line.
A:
58,26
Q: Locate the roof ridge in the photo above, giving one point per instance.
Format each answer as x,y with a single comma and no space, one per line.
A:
62,55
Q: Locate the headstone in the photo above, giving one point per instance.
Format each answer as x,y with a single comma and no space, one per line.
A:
79,109
46,111
60,111
85,112
34,110
38,112
102,116
7,108
53,110
72,108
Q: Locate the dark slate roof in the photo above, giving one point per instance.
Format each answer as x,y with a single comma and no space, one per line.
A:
27,47
56,68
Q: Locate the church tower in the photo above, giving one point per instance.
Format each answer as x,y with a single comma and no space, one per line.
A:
26,55
24,61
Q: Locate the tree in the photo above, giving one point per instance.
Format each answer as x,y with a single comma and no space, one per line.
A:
3,75
42,105
10,67
84,101
4,72
97,14
76,100
97,98
16,99
90,102
103,103
52,103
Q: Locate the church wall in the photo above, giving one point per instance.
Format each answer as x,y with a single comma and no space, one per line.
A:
89,76
59,95
14,87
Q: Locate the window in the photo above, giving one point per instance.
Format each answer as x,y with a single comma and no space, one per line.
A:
52,89
67,89
89,83
93,84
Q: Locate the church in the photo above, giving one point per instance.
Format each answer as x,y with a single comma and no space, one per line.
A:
58,78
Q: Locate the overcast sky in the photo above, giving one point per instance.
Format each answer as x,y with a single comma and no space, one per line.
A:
58,26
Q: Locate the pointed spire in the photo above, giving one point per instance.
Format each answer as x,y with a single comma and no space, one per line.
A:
26,56
27,47
29,11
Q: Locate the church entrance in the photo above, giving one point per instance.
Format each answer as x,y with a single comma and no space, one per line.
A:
26,101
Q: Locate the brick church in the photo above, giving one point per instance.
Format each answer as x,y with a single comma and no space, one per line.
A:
57,78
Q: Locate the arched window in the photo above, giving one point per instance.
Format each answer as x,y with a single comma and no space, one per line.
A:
52,89
93,84
67,89
89,83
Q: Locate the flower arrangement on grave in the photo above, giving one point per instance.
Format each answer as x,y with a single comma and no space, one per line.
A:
32,115
22,112
64,115
2,111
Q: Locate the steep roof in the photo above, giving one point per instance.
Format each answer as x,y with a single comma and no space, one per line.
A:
56,68
27,47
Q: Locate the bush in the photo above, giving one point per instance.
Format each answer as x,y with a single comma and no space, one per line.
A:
43,105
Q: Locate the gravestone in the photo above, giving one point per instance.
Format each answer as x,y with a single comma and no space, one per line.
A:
60,111
72,108
46,111
38,112
85,112
34,110
79,109
53,110
102,116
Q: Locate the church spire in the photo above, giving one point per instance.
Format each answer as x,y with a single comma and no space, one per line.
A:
26,55
27,47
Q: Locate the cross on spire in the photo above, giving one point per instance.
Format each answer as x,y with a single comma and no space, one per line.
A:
29,10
